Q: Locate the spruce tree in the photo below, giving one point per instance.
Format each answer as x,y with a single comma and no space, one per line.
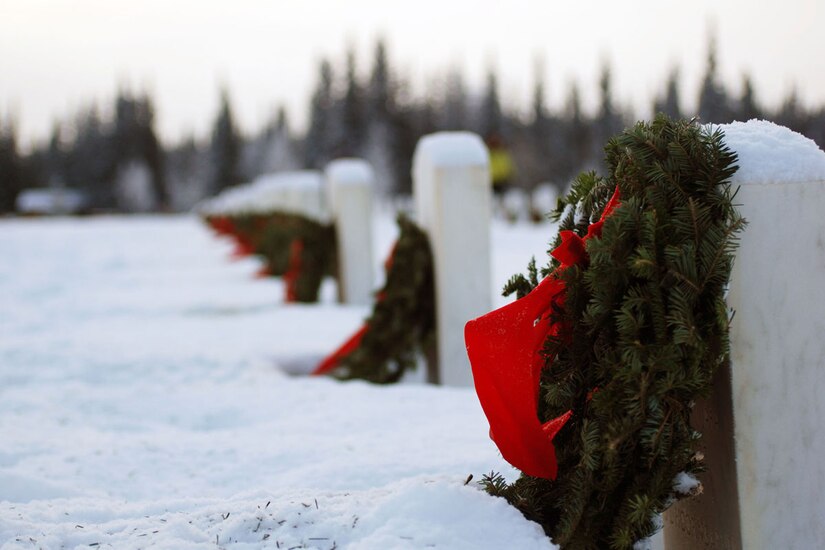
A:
490,118
669,104
645,326
576,129
10,167
90,161
319,145
714,106
381,90
608,121
748,107
224,149
791,113
353,113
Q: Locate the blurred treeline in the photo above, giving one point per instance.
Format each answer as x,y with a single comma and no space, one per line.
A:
119,164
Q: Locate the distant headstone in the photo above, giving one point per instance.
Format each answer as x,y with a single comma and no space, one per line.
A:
350,186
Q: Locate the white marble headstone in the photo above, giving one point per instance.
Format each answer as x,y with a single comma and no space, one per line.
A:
452,191
778,337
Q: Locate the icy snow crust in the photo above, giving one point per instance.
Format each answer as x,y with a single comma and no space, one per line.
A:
141,405
769,153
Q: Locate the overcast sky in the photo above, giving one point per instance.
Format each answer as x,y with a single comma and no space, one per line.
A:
56,55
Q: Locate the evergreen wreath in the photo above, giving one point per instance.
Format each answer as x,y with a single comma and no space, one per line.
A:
401,327
280,229
646,327
299,248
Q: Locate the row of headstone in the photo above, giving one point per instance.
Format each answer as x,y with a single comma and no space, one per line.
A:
765,487
342,194
452,198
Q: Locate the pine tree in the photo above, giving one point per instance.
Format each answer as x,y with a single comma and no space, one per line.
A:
714,105
454,104
644,327
135,143
748,107
791,113
278,152
55,172
153,153
187,173
91,161
576,154
353,114
318,145
608,121
10,166
490,118
381,90
669,104
539,159
224,149
382,145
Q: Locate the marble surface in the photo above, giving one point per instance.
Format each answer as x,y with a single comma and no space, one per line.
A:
778,365
350,184
452,194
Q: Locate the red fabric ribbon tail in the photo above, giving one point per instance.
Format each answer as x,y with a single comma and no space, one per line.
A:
355,340
504,350
346,348
243,248
296,248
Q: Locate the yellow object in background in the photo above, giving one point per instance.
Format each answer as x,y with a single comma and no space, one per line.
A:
501,167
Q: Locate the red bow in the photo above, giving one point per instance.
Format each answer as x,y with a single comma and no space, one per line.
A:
504,348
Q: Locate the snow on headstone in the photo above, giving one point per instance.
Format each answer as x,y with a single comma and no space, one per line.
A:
769,153
452,192
298,192
350,187
777,358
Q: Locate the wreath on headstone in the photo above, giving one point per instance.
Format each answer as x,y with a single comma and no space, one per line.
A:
401,329
589,378
298,248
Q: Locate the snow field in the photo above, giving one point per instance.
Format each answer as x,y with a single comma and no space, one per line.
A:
141,405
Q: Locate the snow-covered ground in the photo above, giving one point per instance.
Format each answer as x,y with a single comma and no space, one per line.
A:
143,403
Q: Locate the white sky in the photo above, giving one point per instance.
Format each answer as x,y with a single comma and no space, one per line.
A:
56,55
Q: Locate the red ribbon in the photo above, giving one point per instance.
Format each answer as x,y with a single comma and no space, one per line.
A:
243,247
222,225
504,347
353,341
296,248
338,355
